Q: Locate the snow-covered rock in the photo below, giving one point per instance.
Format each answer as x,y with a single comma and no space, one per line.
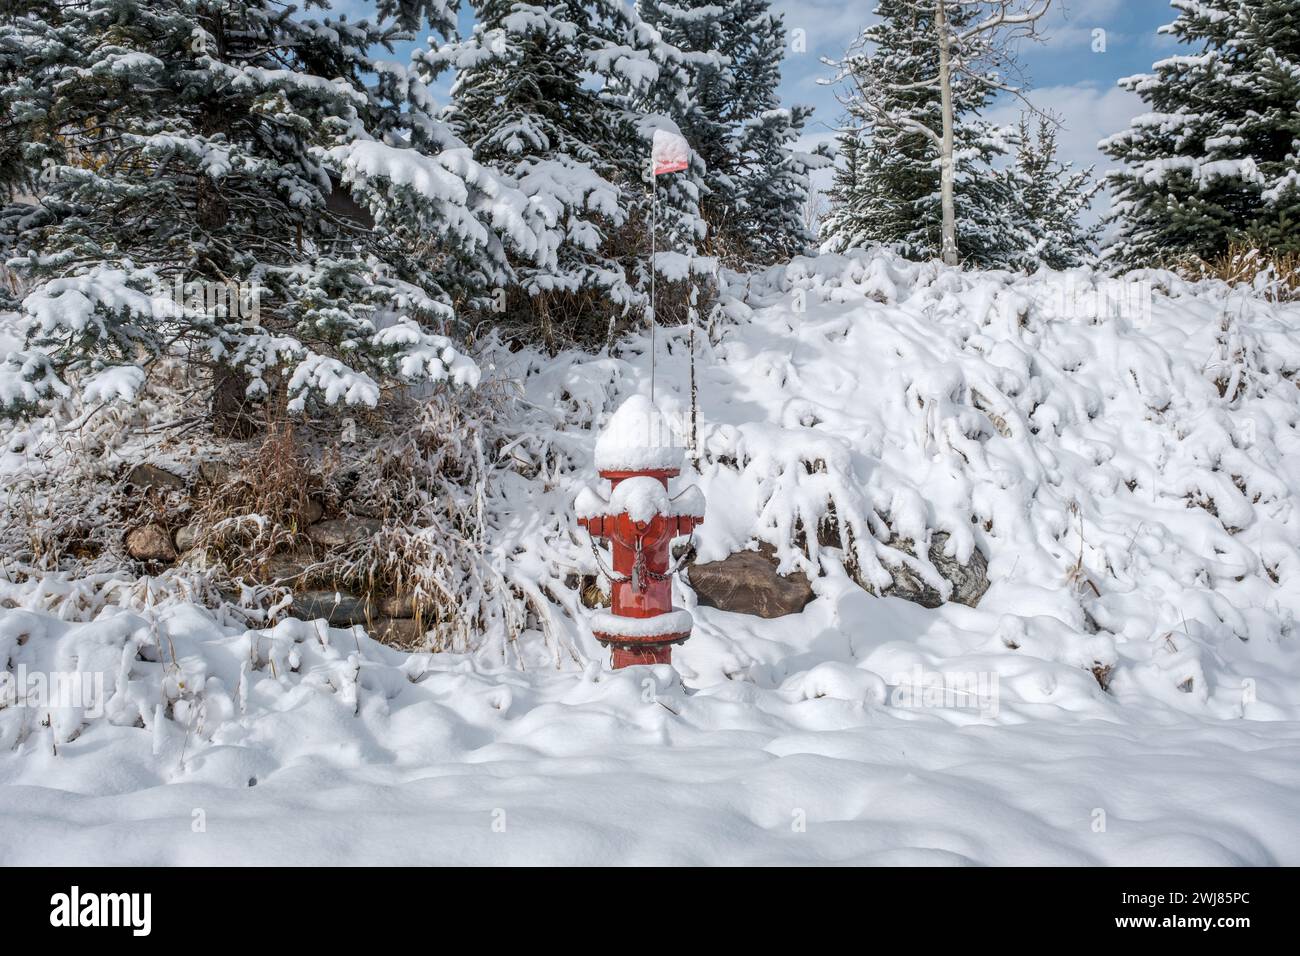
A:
150,542
340,532
747,582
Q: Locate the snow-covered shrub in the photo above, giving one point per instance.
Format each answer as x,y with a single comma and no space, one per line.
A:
245,519
1270,275
65,475
1123,453
425,474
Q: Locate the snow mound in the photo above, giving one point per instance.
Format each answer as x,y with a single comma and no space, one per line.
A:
309,745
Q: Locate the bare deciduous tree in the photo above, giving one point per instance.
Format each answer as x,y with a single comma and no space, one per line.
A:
976,41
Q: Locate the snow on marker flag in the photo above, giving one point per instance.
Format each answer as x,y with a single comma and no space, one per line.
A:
669,153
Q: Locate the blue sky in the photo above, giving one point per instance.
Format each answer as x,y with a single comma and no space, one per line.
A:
1066,75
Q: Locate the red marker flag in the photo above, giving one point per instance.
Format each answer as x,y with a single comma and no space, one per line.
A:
669,153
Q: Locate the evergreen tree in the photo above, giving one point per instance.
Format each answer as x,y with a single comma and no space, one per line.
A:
892,102
847,224
1217,157
545,96
774,184
237,143
709,37
1048,199
756,182
774,187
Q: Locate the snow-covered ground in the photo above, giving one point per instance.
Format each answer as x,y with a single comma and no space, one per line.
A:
414,761
1125,455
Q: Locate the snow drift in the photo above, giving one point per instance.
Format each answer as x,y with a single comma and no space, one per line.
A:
1124,454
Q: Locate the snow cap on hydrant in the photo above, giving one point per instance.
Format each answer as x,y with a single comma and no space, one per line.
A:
638,453
638,437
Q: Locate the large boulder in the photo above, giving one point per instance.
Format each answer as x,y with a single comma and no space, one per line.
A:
214,471
187,536
312,511
404,604
145,475
292,569
338,608
969,580
746,582
398,631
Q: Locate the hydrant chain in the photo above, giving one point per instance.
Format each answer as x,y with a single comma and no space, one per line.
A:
612,576
677,565
640,569
638,566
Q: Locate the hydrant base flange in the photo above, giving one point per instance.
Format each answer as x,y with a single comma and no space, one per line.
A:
622,643
633,656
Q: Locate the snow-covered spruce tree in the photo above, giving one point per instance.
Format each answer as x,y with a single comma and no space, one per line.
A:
176,142
1217,157
847,225
1048,198
756,181
547,96
893,101
707,37
774,186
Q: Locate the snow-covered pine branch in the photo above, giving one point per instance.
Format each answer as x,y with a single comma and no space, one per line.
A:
559,101
1214,161
755,182
252,149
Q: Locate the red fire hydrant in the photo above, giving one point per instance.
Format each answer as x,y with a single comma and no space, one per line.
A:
636,455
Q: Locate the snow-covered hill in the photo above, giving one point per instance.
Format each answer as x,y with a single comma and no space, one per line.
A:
1127,690
1124,453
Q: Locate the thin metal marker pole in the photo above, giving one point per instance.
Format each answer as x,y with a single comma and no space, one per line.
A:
654,215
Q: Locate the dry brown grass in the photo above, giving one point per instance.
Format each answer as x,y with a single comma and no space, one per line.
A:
1277,274
264,507
427,483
